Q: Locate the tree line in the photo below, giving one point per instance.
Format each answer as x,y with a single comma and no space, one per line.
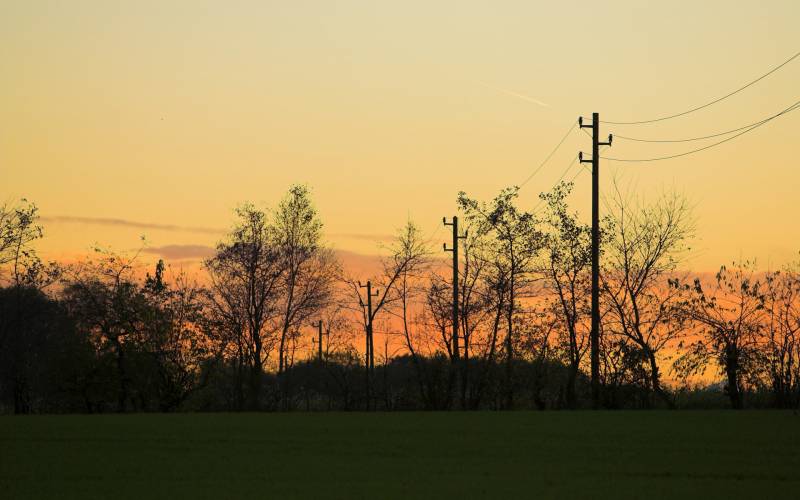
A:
107,335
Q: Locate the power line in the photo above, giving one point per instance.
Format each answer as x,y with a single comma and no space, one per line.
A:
617,136
435,233
785,111
572,179
571,128
563,174
579,172
773,70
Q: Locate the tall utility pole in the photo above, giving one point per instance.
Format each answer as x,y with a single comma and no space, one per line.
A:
318,324
370,358
595,335
456,237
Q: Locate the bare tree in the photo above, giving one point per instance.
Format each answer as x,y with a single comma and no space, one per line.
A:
18,228
643,249
407,260
483,295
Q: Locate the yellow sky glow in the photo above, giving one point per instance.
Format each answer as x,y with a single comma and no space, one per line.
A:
166,115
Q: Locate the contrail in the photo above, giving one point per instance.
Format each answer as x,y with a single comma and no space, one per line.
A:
515,94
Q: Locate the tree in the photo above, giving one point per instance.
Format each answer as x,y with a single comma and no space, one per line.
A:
246,279
516,242
643,248
308,269
410,263
18,229
178,350
730,314
109,308
782,343
568,247
43,357
408,256
26,277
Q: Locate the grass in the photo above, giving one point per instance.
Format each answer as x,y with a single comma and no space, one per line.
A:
711,454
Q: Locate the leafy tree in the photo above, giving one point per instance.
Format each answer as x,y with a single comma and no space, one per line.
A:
177,349
107,305
782,332
246,277
730,313
516,242
43,358
567,267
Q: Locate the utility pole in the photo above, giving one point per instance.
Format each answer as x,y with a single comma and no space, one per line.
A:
456,237
318,324
595,335
328,343
370,358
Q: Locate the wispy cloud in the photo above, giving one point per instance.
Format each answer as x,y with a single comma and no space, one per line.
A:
103,221
197,252
108,221
361,236
515,94
181,252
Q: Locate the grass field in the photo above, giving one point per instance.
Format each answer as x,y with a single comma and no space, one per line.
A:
403,455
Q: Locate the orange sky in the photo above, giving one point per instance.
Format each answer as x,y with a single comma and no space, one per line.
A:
157,118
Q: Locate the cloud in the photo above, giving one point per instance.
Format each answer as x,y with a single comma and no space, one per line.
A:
361,263
361,236
181,252
107,221
102,221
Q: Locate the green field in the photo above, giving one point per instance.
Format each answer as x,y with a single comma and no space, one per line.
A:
401,455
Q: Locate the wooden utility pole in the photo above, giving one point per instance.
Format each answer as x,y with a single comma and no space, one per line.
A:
318,324
369,360
454,249
328,343
595,335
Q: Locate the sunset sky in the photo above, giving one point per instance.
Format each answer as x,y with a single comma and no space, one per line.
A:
127,118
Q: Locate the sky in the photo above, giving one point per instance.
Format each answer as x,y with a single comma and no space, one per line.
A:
123,119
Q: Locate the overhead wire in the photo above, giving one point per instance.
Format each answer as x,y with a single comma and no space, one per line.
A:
685,153
715,101
691,139
563,174
579,172
541,165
